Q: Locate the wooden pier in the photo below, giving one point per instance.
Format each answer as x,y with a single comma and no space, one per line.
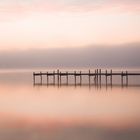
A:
94,77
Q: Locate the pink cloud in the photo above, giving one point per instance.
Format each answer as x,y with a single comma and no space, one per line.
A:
14,10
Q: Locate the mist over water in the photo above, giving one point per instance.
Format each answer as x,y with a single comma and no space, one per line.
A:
122,56
69,35
67,112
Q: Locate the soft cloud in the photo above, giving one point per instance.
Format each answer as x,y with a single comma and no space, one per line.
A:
51,23
17,9
68,5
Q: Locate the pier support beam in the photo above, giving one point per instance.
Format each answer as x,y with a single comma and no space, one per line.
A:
80,78
89,77
100,77
75,77
126,78
34,78
58,77
67,78
40,78
111,78
106,77
47,79
97,76
54,77
122,79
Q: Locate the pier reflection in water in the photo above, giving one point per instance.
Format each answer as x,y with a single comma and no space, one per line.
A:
68,112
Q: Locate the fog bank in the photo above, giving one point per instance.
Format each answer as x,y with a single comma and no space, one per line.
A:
92,56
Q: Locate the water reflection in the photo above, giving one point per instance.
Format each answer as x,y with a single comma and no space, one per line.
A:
70,101
67,112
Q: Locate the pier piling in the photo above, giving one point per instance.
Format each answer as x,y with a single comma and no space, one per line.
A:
75,77
89,77
106,77
80,78
97,74
126,78
122,78
58,77
111,78
100,77
67,78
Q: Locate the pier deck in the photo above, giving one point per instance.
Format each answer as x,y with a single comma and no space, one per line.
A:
97,74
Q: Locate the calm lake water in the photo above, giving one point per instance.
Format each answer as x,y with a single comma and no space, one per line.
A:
30,112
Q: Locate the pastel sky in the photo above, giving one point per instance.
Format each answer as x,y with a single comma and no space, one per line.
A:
27,24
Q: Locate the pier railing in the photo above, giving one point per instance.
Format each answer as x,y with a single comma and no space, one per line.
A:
56,77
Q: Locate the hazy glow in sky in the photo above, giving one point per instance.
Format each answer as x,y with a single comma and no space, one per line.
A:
26,24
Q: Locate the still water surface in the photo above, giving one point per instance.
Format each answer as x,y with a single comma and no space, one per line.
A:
30,112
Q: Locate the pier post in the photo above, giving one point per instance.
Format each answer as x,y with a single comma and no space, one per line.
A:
41,77
80,78
34,77
106,78
97,76
122,79
126,78
54,77
67,78
89,77
47,79
100,73
58,77
111,78
75,77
